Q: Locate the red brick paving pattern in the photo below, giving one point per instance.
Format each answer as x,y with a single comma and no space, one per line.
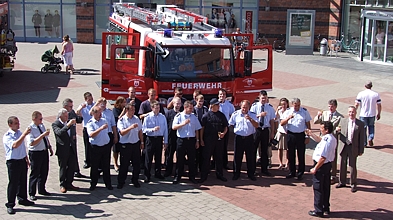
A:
289,81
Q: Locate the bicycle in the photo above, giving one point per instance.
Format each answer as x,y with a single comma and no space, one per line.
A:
279,44
353,45
261,40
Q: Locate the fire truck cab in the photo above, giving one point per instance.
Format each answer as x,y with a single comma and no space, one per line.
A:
145,50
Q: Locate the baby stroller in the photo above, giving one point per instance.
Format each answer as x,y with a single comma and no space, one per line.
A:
52,62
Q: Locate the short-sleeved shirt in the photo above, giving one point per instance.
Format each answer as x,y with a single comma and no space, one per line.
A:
133,135
298,123
110,118
213,122
199,112
8,140
268,108
86,113
242,126
151,121
281,128
101,138
368,100
35,133
227,108
325,148
189,129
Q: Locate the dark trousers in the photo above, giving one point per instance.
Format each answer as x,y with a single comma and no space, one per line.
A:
87,146
262,137
296,143
67,167
244,144
39,165
321,186
100,155
129,152
169,154
214,147
17,181
225,150
185,147
153,147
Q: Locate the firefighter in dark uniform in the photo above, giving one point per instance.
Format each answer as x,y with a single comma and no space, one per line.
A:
297,120
323,156
245,123
214,127
187,126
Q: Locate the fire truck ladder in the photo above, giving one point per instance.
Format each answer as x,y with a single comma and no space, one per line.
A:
135,12
199,21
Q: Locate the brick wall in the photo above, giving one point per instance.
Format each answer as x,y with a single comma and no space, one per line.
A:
85,21
273,20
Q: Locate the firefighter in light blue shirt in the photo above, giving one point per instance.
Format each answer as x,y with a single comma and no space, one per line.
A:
17,164
187,126
156,129
245,123
297,120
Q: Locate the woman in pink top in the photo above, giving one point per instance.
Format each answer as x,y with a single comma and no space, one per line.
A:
67,52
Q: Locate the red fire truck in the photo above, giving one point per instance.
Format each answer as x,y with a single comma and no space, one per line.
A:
164,47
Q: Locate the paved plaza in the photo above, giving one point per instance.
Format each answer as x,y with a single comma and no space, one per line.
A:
313,79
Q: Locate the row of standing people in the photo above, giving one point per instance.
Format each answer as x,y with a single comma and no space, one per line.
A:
251,127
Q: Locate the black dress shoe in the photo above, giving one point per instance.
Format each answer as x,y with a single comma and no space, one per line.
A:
136,184
92,188
354,189
10,210
86,166
33,198
340,185
79,175
326,212
120,186
202,180
110,187
147,179
167,174
193,180
316,214
300,176
290,176
222,178
26,202
235,177
176,180
45,193
252,178
266,173
225,167
159,176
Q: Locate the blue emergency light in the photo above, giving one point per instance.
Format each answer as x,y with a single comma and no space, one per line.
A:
218,33
168,33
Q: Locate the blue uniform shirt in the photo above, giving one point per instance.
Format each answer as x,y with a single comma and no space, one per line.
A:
110,118
227,108
85,113
325,148
133,135
151,121
35,133
13,153
189,129
102,138
242,126
270,112
298,123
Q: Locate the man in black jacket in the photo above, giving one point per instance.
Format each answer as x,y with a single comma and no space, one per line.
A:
65,134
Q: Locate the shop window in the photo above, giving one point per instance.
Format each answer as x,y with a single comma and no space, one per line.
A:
16,19
69,20
42,21
102,19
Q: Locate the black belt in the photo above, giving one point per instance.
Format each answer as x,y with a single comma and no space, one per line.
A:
265,128
16,159
93,145
295,132
155,136
38,150
188,138
244,137
315,162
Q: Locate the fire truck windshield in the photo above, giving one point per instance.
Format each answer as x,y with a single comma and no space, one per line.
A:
195,64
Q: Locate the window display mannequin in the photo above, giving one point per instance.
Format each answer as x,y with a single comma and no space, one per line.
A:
56,23
48,21
37,21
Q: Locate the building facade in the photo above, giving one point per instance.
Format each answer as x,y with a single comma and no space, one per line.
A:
85,20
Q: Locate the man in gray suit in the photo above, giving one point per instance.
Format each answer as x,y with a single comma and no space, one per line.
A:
333,116
350,146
